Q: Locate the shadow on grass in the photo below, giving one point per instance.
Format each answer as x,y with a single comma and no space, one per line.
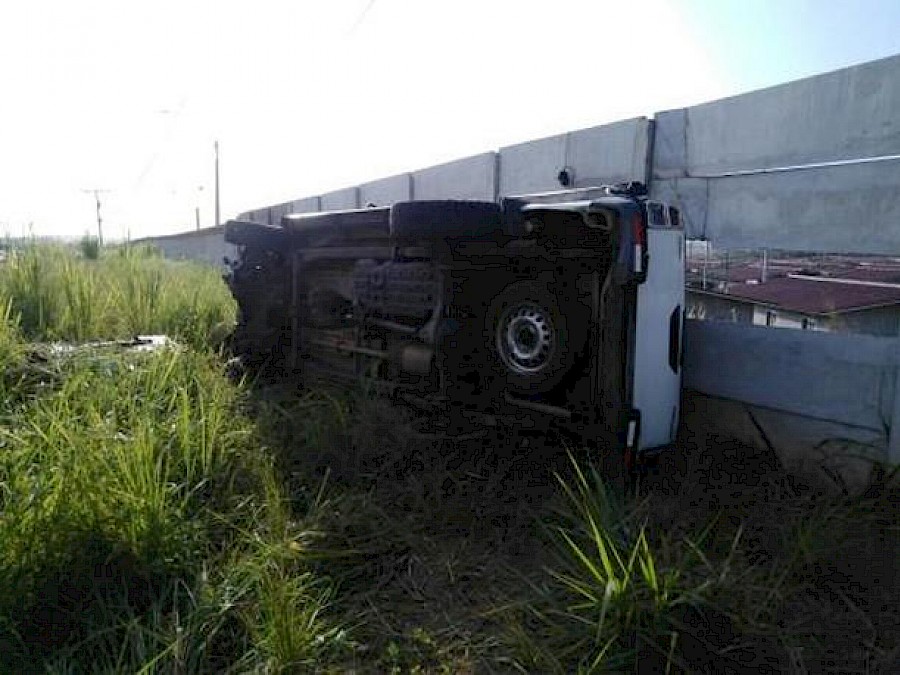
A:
448,553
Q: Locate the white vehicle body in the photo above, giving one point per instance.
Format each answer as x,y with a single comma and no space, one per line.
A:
658,331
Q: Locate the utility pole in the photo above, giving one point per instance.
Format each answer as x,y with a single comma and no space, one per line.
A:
218,221
705,262
96,192
197,207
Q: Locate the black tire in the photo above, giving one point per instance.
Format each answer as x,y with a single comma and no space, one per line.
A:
445,219
533,339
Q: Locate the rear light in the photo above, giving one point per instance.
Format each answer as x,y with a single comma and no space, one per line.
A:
639,237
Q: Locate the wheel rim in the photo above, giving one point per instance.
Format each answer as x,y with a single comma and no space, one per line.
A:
525,338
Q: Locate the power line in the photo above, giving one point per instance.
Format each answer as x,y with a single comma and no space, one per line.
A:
362,17
170,131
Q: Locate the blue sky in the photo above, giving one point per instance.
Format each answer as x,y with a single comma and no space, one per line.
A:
305,97
763,42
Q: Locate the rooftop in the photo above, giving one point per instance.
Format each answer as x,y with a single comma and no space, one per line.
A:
807,296
805,285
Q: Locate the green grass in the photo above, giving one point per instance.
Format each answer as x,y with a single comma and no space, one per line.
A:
126,291
144,526
142,521
156,517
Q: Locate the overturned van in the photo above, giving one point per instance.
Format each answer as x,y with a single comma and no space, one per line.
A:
561,308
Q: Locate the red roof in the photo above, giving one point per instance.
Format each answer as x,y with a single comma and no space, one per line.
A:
807,296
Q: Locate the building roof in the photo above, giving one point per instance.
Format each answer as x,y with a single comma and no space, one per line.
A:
808,296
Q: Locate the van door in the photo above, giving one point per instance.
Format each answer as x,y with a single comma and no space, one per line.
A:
658,330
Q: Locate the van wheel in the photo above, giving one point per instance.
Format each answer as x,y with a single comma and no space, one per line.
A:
532,337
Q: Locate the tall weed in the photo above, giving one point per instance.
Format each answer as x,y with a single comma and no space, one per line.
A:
118,488
59,295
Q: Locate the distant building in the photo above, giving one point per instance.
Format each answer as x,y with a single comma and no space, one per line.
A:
837,293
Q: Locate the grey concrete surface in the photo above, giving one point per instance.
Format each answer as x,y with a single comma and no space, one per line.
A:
468,178
840,389
207,245
611,153
307,205
846,379
348,198
844,114
532,167
670,144
386,191
842,209
600,155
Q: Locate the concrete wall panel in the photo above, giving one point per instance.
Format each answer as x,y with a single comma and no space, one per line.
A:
348,198
386,191
845,114
611,153
469,178
208,246
850,209
844,379
601,155
307,205
670,144
532,167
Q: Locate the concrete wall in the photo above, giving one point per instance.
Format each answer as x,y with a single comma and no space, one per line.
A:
844,114
850,116
386,191
833,209
690,157
307,205
775,140
468,178
340,200
207,245
600,155
828,376
814,388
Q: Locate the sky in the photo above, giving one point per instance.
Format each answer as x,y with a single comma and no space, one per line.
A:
313,95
